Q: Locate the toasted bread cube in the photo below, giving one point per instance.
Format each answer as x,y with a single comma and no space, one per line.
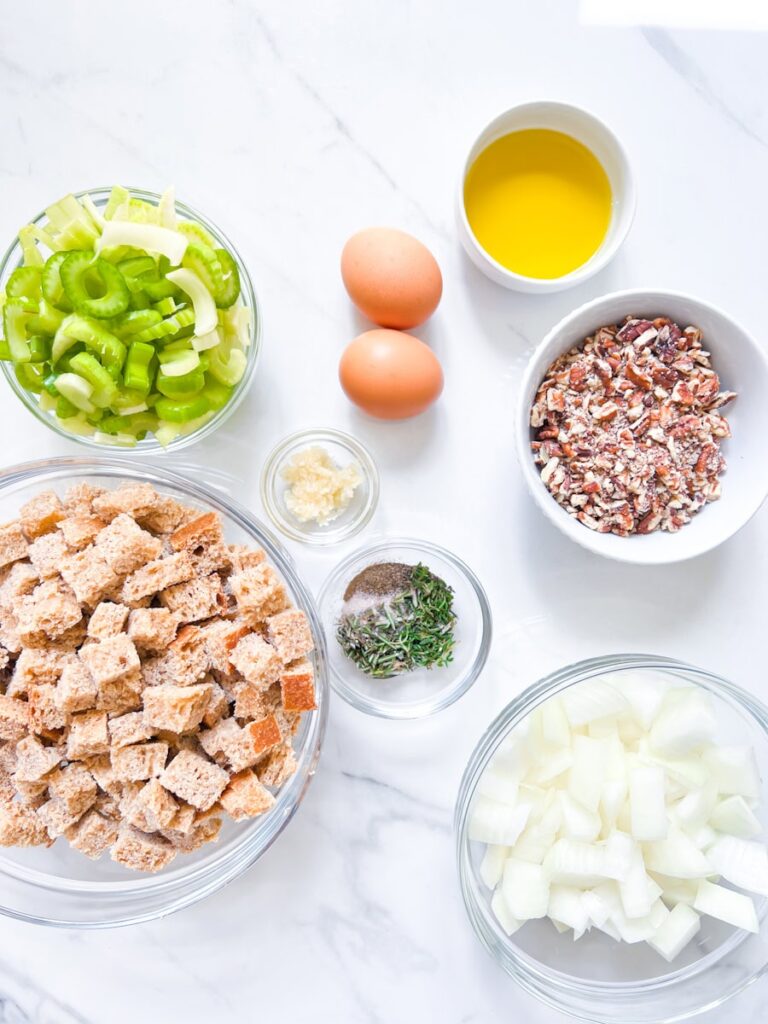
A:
14,718
79,498
245,797
20,582
264,734
45,717
88,735
184,820
20,826
158,575
76,690
41,514
218,706
297,685
125,547
93,834
7,768
56,817
79,531
32,794
158,672
13,543
100,767
36,666
243,557
205,832
176,708
47,553
74,786
251,701
256,661
9,636
290,635
259,592
133,499
88,575
166,515
195,779
128,729
50,609
108,620
139,761
152,629
189,656
141,852
221,637
278,766
156,805
200,532
111,660
195,600
33,760
219,741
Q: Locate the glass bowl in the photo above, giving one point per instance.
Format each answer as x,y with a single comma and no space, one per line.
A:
59,886
425,691
150,445
597,978
343,449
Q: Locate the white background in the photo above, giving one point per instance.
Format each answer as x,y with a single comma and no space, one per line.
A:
293,125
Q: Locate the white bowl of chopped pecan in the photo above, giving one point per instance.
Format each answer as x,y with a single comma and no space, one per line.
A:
632,426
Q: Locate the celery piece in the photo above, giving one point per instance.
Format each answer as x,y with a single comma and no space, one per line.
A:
227,366
178,363
150,237
47,319
117,197
30,376
96,215
32,255
203,261
229,287
77,390
50,280
65,409
124,440
168,327
166,306
47,402
127,325
236,323
217,394
202,300
71,225
137,373
25,283
166,209
195,232
5,351
135,266
90,369
16,313
180,387
94,335
182,410
39,348
93,286
140,300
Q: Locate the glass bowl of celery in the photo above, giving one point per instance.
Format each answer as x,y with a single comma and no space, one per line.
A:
129,321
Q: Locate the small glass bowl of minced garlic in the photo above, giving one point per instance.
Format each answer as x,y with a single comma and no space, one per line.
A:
407,627
320,486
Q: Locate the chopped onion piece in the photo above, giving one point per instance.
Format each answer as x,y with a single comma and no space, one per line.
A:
675,932
735,817
648,809
202,300
526,889
741,862
726,905
502,914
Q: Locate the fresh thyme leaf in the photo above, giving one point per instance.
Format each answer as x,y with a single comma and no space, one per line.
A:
412,629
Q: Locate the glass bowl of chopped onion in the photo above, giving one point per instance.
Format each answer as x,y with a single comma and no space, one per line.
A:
408,628
610,830
180,361
320,486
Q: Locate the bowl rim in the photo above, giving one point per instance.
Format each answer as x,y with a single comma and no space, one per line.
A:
206,876
632,552
423,708
150,446
545,983
624,204
310,436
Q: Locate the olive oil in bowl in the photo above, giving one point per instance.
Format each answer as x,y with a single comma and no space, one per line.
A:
538,202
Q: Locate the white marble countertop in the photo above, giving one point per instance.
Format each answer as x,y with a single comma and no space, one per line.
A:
292,125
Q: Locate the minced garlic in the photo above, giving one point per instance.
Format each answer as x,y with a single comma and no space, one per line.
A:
319,490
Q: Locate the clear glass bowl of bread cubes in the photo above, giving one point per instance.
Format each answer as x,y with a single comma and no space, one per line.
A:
610,832
163,695
130,324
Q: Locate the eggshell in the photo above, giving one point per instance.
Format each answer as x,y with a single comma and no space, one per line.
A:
390,374
391,277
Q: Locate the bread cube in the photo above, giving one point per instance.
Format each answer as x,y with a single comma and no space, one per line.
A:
256,661
218,705
13,543
33,760
297,686
246,797
74,786
129,728
152,629
100,767
243,557
45,717
76,689
259,593
21,580
141,852
176,708
156,805
125,547
278,766
221,740
165,515
41,514
206,831
203,531
195,779
14,718
290,635
112,660
139,761
88,735
188,656
51,609
108,619
92,835
47,553
37,665
220,637
20,826
79,498
133,499
79,531
264,734
56,817
88,575
195,600
158,575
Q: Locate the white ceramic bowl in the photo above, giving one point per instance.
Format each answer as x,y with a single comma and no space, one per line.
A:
742,366
597,137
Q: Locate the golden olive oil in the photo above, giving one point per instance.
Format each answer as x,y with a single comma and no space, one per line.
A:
538,202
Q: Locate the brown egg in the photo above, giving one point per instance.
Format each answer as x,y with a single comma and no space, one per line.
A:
390,374
391,277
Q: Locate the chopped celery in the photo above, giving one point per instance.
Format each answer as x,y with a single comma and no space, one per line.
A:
182,386
168,327
136,372
229,287
25,283
71,224
150,237
203,261
124,440
133,322
227,367
65,409
53,292
16,313
32,255
202,300
94,335
166,306
47,319
5,351
39,348
237,324
182,410
93,286
196,232
166,209
104,387
30,376
77,390
217,394
117,197
96,215
134,266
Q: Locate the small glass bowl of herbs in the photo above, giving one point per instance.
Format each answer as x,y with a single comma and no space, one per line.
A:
408,627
